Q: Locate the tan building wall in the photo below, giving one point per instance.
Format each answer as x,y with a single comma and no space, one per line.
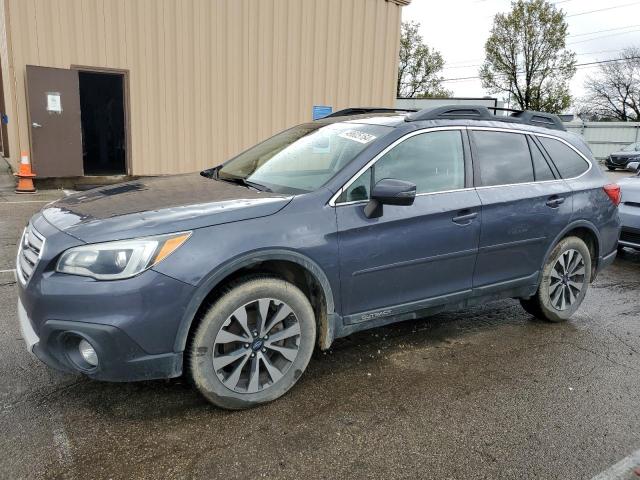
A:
207,78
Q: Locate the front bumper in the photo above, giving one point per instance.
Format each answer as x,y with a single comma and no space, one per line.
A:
28,333
132,323
120,358
622,163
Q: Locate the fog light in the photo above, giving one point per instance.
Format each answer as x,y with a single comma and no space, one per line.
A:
88,353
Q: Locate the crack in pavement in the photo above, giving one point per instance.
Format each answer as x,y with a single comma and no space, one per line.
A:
597,354
623,342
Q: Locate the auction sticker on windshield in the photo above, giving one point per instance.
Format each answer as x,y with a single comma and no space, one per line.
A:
357,136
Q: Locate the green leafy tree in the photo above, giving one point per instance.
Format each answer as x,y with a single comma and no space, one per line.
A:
419,66
527,58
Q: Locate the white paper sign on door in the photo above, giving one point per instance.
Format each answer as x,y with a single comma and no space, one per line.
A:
54,104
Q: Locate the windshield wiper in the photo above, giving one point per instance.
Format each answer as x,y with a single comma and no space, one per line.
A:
258,186
244,182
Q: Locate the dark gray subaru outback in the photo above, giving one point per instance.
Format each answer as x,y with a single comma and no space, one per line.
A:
233,276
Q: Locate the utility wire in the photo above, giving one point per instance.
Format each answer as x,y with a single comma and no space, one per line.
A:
573,35
602,9
571,43
602,31
519,73
578,54
577,65
587,12
603,36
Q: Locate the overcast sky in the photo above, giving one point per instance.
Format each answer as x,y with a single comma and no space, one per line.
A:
459,29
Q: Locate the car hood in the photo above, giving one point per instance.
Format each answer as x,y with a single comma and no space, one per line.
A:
158,205
630,188
626,154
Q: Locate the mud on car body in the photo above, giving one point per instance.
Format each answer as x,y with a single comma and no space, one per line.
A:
233,276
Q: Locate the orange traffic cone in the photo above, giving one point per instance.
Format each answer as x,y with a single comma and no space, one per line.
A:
25,175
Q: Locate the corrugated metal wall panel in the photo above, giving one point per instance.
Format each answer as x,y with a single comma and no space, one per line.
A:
605,138
208,79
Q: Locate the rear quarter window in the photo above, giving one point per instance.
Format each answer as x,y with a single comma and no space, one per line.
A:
567,161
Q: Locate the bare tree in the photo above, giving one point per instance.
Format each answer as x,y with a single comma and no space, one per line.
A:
419,66
614,92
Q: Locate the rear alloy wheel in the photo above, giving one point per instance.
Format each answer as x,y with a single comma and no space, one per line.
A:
253,344
565,279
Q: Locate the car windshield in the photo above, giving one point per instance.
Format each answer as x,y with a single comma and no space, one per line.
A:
631,148
301,159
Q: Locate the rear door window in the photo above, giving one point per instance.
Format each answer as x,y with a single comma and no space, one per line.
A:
502,158
541,168
567,161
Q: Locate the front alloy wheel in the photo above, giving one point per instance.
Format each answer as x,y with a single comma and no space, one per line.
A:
253,343
256,345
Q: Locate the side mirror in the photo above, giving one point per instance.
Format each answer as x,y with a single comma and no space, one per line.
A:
389,191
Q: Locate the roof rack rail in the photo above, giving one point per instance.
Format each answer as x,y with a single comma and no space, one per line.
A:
362,110
480,112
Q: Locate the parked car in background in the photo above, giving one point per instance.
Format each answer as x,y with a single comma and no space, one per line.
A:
630,153
630,212
233,276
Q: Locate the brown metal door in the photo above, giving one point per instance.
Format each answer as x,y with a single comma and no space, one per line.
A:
53,96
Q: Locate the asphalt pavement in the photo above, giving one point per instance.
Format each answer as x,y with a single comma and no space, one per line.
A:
487,392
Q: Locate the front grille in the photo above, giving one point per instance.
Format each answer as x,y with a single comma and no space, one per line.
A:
630,237
618,160
29,252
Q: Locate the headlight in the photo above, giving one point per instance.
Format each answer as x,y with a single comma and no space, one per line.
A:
120,259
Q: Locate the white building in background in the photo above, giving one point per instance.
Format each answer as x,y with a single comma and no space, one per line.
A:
420,103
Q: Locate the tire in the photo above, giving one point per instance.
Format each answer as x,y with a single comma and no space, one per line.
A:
611,169
245,336
561,291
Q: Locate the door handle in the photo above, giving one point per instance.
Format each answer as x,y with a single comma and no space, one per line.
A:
36,125
555,201
464,217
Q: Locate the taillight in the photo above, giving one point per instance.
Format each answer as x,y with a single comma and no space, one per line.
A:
613,192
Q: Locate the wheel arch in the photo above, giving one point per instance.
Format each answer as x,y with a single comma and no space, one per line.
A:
586,231
291,265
